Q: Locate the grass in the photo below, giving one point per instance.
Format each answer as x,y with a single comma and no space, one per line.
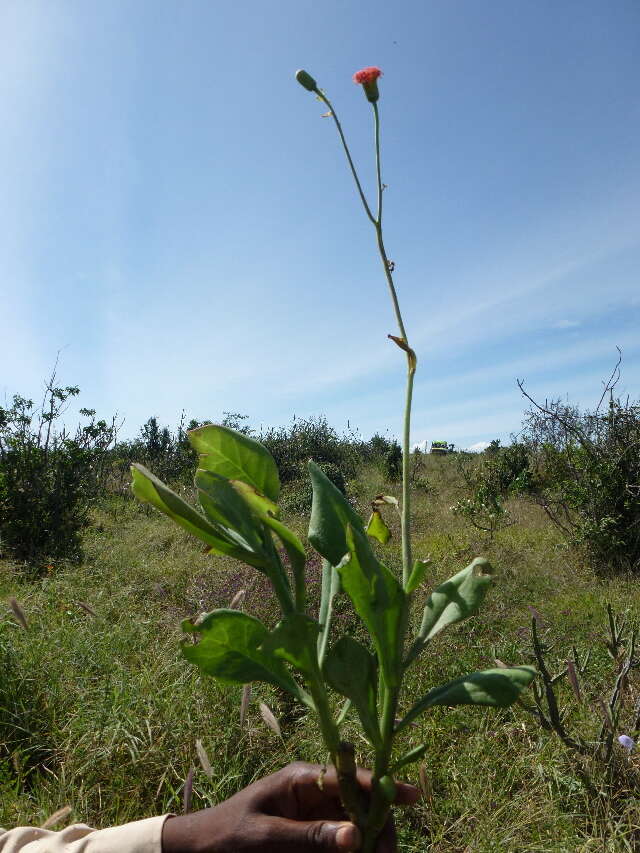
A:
100,712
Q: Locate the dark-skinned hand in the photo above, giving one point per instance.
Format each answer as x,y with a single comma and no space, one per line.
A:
286,812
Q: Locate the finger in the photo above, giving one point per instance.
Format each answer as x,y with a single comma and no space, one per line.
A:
299,836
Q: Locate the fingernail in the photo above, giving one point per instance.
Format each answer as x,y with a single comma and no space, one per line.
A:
348,837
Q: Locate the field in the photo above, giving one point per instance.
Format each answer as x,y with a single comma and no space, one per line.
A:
98,710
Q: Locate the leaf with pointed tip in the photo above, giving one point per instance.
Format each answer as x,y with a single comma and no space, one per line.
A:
417,575
236,456
259,503
229,650
294,640
351,671
452,601
149,489
414,754
267,512
331,512
378,600
497,688
377,529
225,507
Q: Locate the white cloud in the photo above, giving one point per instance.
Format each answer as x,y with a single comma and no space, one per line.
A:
478,447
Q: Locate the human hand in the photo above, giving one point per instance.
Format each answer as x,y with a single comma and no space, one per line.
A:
286,812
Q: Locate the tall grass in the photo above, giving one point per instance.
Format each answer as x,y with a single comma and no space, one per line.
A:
100,713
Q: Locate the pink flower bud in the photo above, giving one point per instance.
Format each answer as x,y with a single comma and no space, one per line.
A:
368,79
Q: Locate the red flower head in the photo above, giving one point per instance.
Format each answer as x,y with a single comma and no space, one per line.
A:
368,77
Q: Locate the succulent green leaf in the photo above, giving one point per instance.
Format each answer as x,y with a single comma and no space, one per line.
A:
149,489
331,512
267,511
417,575
294,639
350,670
224,506
378,600
259,503
377,529
497,688
452,601
236,456
414,754
230,650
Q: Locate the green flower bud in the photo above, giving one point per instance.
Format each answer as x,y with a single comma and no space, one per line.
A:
306,80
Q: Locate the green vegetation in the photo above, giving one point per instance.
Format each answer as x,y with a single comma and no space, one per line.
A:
98,711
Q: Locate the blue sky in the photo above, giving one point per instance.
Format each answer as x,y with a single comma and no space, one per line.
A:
179,222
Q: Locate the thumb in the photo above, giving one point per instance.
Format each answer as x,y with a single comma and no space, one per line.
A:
300,836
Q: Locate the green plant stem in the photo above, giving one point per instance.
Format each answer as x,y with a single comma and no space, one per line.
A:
411,368
379,805
341,754
363,199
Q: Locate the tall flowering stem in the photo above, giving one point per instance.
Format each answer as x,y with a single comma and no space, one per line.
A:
380,804
368,78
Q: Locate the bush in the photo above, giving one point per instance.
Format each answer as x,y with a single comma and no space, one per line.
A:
393,462
310,438
490,479
48,479
298,495
167,453
586,476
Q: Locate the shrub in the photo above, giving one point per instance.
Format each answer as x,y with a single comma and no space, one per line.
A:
159,448
393,462
586,476
48,478
298,495
310,438
490,479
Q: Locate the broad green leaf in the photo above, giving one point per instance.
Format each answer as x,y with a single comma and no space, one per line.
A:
378,600
258,502
236,457
417,575
229,650
267,511
377,528
497,688
294,640
351,670
331,512
224,506
149,489
414,754
452,601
